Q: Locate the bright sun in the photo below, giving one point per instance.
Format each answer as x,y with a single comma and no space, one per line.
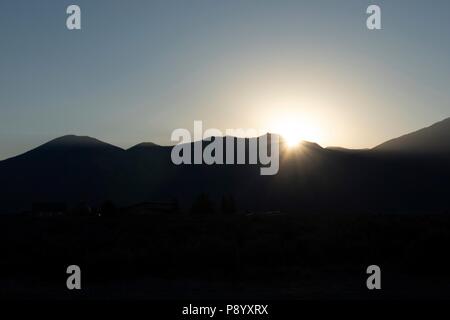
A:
293,131
291,136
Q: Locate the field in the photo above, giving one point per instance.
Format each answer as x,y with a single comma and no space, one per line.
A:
301,256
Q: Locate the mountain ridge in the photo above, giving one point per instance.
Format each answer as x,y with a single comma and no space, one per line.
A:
432,139
74,169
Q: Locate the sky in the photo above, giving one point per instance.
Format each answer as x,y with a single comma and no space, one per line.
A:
137,70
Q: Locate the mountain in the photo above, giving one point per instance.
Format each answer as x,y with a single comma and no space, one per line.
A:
70,169
67,147
434,139
74,169
341,149
144,146
73,141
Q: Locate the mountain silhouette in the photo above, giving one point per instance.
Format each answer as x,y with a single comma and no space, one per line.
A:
144,146
433,139
74,169
73,143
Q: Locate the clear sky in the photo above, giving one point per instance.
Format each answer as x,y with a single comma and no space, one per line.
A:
139,69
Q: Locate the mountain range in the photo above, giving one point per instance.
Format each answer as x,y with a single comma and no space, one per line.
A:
406,174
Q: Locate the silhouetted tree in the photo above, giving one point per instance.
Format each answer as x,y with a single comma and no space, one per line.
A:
228,206
202,205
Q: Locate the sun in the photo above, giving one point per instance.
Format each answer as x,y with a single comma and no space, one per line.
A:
290,136
294,130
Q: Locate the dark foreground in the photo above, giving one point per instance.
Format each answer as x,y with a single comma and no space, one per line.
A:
303,256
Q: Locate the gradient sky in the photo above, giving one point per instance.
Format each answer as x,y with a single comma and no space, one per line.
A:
139,69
